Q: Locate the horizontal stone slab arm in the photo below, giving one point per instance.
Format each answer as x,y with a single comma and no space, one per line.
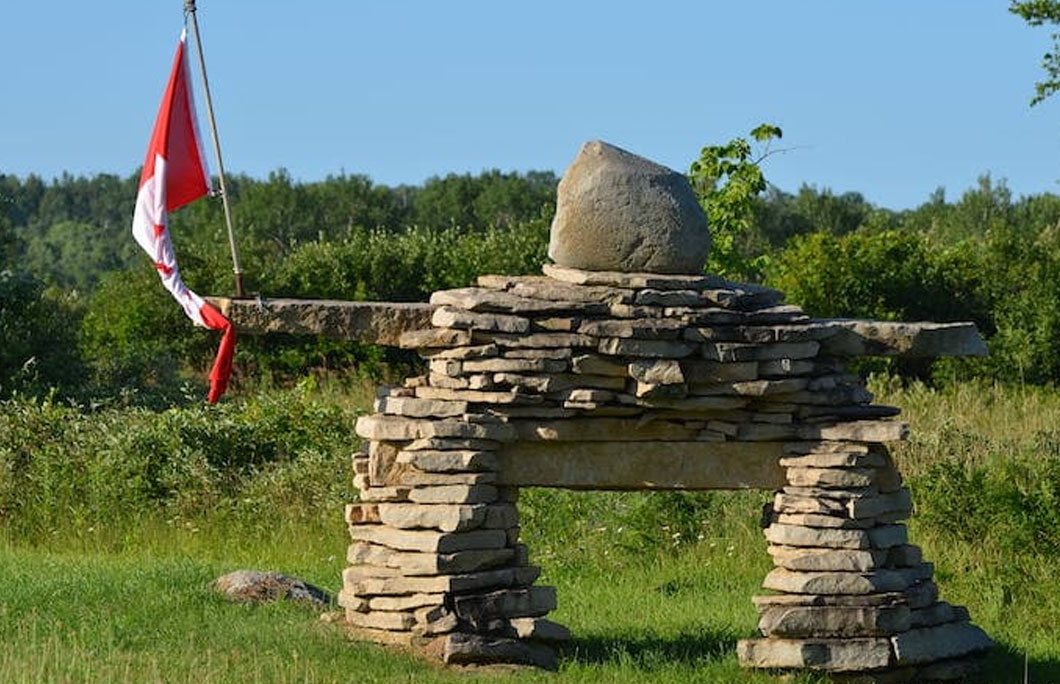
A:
384,322
895,338
642,465
371,322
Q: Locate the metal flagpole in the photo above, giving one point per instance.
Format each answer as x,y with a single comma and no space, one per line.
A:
189,9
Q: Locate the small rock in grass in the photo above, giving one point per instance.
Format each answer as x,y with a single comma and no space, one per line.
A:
255,586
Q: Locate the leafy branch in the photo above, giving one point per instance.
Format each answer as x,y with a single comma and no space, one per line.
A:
727,179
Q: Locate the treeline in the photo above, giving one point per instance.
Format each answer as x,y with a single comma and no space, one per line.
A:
81,311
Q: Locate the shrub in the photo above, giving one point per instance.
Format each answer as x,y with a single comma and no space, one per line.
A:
38,347
258,459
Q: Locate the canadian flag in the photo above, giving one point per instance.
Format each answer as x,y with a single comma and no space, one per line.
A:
175,174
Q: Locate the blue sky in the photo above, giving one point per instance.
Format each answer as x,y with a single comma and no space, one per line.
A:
889,98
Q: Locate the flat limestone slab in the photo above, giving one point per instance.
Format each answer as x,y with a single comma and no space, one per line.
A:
372,322
642,465
913,340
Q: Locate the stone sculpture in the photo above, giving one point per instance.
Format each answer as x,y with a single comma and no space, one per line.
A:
619,378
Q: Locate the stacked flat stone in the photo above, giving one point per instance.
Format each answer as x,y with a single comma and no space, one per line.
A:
852,594
666,362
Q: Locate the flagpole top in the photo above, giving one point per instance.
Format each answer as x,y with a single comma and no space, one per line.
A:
189,5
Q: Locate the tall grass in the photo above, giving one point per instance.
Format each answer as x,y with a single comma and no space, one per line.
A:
115,520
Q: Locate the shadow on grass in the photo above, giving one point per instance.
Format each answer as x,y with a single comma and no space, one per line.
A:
1006,665
647,651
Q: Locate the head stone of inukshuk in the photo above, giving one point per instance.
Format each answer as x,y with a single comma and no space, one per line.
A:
624,367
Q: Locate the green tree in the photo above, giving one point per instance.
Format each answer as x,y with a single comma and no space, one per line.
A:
38,348
1038,13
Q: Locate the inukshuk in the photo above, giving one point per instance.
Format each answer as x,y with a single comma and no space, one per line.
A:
612,379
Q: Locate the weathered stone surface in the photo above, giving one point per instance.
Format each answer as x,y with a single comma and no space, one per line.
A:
879,599
792,535
949,640
652,297
856,507
416,563
632,281
254,586
837,459
915,340
592,364
904,556
507,365
539,629
761,334
449,461
473,352
475,396
392,621
383,493
648,329
543,340
449,317
460,648
360,513
938,614
394,428
657,372
447,518
434,338
420,408
450,444
602,429
834,655
538,353
823,520
358,583
780,579
826,447
760,432
641,465
738,351
713,372
479,493
434,620
922,594
833,621
371,322
831,478
858,431
479,609
427,540
686,404
557,290
621,346
805,559
487,300
764,388
501,516
616,211
785,367
405,603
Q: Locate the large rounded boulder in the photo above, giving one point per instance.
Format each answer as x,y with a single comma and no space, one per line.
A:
616,211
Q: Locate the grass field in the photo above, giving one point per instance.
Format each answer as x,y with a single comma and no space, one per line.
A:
654,587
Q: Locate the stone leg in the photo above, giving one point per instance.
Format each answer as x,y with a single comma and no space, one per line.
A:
435,561
852,596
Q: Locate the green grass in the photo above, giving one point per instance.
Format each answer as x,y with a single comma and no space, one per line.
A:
143,611
655,587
